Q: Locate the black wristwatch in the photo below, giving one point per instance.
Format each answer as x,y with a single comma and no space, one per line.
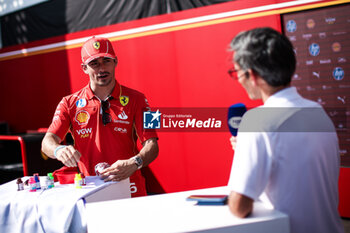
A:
138,161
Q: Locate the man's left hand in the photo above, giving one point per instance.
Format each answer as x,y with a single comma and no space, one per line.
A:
119,170
233,141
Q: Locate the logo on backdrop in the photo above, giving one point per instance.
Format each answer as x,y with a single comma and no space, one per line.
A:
338,73
291,26
314,49
151,120
310,23
336,47
330,20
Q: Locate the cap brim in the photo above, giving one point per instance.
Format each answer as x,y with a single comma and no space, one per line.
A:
98,56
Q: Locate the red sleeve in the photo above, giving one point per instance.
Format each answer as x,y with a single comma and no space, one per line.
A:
141,106
61,121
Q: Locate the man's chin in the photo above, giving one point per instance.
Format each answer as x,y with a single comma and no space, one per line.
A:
104,82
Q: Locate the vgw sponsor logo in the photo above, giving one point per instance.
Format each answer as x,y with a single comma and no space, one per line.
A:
83,133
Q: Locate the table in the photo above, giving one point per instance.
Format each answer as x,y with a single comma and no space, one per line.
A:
60,209
166,213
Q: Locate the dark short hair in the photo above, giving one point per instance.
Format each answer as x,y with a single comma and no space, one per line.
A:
267,52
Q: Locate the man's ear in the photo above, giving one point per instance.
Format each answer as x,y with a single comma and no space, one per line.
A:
84,68
253,77
256,79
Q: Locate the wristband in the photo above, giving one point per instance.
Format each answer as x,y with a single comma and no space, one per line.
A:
58,148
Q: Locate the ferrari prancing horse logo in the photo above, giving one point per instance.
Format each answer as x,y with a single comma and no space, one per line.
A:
96,45
124,100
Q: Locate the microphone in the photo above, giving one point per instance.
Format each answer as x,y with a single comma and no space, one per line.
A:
234,117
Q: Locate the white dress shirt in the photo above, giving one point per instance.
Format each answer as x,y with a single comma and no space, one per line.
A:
287,151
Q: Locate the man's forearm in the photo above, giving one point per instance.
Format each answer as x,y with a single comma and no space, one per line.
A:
240,205
149,151
49,144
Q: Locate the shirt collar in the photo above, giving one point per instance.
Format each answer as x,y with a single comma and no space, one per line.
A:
282,96
115,93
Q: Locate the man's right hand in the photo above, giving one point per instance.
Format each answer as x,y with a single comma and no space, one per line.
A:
69,156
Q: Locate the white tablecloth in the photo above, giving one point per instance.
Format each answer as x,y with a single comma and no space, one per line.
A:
60,209
170,213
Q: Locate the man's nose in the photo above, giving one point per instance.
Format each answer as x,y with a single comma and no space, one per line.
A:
101,66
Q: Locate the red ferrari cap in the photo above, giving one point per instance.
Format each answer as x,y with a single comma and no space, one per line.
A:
96,47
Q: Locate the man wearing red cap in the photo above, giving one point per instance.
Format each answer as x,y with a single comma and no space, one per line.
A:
105,120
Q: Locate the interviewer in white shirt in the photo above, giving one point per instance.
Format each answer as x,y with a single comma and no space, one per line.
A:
286,150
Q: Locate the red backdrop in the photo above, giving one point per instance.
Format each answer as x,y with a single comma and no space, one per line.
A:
181,67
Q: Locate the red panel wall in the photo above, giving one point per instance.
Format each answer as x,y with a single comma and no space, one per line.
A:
187,69
184,68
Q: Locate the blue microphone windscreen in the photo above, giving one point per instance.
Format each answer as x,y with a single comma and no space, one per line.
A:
234,117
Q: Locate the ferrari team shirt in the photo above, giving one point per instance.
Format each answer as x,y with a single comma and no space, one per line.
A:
81,114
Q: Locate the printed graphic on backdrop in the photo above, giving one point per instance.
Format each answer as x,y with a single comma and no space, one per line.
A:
321,39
